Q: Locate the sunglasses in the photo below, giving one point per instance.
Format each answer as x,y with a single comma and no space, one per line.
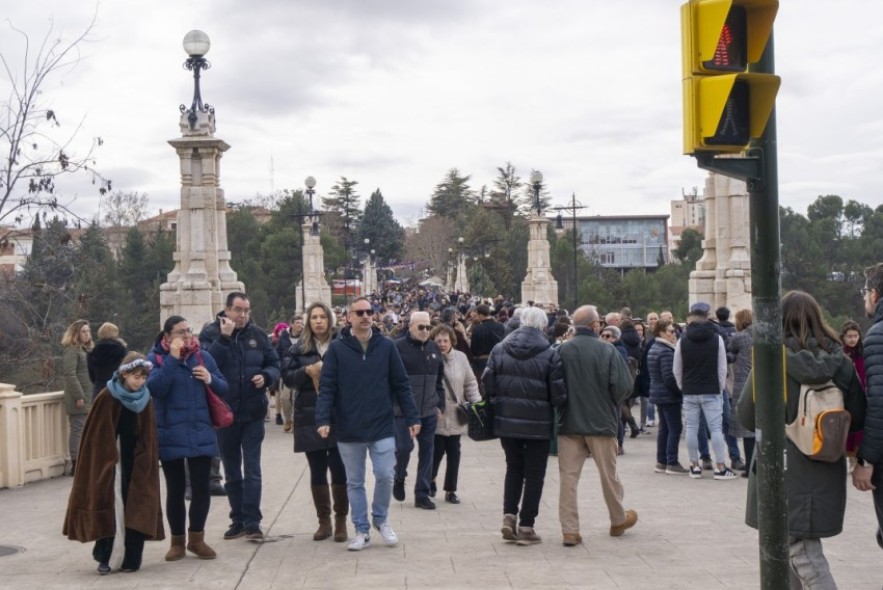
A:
424,327
363,312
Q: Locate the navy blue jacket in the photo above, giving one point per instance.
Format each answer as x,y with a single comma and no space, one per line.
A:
663,385
241,356
183,423
362,388
426,369
872,443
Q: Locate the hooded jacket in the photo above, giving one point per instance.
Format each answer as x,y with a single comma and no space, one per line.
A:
241,356
183,423
816,490
524,379
361,387
103,360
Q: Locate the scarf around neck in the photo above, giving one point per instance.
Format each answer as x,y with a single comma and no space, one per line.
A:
134,401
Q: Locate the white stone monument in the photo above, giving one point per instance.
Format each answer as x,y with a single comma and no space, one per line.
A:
723,274
197,286
539,285
461,283
315,288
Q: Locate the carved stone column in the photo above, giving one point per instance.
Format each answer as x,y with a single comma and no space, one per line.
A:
539,285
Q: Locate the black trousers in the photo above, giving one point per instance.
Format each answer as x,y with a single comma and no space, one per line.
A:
450,446
526,461
320,462
176,482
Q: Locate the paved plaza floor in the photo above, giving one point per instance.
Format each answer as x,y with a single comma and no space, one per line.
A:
690,535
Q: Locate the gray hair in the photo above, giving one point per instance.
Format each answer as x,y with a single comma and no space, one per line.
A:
534,317
617,333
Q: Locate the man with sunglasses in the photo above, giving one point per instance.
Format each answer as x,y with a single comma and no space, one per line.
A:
425,367
362,381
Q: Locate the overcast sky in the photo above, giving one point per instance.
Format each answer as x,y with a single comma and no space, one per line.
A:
394,93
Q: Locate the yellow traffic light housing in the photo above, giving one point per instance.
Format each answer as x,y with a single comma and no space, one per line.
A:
724,106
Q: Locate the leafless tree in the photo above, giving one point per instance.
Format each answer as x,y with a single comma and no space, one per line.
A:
34,153
430,244
124,209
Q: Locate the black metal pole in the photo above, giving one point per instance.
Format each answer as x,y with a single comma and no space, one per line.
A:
575,264
769,374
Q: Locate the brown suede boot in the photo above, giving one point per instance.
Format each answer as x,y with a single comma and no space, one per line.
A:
196,544
341,509
322,500
176,551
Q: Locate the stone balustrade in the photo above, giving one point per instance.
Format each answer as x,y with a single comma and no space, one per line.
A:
33,436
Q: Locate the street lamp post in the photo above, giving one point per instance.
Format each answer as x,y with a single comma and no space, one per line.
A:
313,216
536,179
559,225
196,44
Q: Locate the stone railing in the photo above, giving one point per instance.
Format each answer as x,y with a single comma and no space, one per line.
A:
33,436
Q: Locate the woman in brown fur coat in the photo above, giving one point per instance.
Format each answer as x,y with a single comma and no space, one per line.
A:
115,498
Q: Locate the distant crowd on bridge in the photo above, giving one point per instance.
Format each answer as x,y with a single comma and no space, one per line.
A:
401,370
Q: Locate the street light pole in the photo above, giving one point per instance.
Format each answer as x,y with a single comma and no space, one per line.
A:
313,216
196,44
559,224
536,179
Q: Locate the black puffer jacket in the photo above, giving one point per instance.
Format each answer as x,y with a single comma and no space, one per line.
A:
103,360
872,443
425,367
663,385
524,379
294,375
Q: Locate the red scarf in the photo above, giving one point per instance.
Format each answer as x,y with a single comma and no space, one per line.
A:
186,350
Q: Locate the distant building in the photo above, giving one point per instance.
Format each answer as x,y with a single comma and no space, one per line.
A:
623,242
686,212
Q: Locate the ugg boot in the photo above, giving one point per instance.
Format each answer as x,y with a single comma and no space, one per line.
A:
341,509
322,500
196,545
176,551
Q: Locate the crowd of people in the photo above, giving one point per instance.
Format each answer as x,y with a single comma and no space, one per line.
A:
387,374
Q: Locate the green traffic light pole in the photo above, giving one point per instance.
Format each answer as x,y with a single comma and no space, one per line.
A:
760,171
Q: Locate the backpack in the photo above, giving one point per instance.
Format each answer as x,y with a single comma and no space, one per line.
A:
822,424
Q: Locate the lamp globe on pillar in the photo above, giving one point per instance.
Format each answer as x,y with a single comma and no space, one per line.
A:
196,45
310,183
536,179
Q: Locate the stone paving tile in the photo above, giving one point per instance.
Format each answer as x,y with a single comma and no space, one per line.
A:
690,535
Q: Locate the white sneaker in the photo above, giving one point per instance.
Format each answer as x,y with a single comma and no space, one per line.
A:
359,542
389,536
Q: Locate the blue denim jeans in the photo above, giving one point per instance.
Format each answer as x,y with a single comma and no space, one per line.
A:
240,449
383,458
732,443
669,435
404,446
711,406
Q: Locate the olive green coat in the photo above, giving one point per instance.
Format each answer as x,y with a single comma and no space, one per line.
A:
77,385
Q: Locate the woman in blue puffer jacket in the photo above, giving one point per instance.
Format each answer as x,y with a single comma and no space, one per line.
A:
666,395
177,382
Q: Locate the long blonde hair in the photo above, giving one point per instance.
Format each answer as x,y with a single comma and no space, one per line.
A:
307,338
72,336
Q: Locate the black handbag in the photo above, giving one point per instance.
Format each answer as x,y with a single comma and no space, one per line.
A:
481,420
462,415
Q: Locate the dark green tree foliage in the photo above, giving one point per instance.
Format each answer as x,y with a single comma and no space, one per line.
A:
97,283
689,249
379,226
452,197
504,196
342,213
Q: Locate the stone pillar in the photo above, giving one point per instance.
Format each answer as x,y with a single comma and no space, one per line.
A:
461,283
202,276
314,285
12,435
723,274
539,285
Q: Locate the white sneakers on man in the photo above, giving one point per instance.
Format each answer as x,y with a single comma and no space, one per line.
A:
359,542
389,536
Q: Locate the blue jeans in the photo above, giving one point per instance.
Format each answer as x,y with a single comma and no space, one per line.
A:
404,446
669,435
711,406
732,443
383,464
240,448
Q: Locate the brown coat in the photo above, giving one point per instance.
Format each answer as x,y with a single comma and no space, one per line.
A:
90,510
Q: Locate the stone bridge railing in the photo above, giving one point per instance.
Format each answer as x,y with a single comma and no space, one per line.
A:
33,436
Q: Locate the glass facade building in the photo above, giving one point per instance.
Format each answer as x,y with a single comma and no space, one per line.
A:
630,241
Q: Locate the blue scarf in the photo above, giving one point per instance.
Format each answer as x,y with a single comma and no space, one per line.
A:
134,401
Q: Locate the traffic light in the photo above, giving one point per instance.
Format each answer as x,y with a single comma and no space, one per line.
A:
724,105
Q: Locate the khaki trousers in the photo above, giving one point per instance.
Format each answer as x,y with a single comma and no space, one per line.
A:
573,450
